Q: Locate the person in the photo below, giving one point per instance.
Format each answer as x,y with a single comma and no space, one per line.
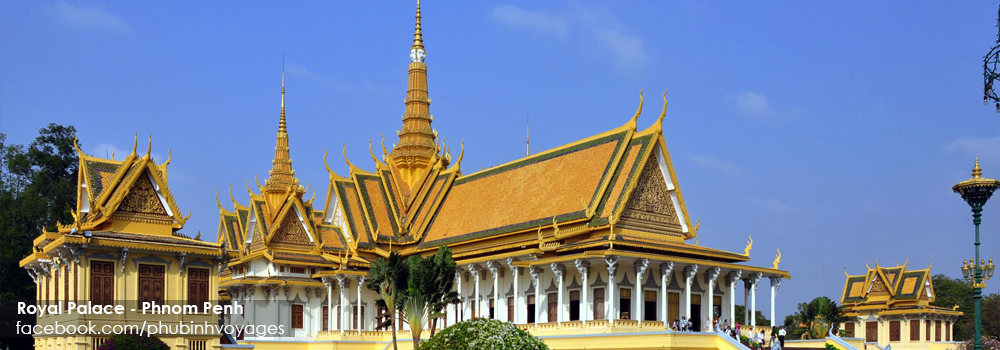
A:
781,336
760,340
677,325
708,324
684,324
774,335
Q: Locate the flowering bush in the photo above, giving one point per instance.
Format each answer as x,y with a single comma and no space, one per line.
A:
483,333
133,342
988,344
748,342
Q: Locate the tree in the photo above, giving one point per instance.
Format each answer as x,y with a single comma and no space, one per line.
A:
429,289
37,190
950,292
388,277
758,316
814,319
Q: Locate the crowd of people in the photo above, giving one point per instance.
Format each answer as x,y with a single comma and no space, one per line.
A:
756,337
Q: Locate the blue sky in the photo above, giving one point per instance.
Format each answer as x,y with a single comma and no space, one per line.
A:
831,130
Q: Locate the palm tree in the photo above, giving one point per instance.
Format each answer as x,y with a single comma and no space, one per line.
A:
389,278
815,318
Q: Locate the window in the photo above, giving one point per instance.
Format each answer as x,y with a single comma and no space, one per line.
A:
151,284
66,284
894,330
197,286
624,303
354,320
297,316
102,282
914,330
492,307
574,305
531,308
849,329
927,328
553,300
326,318
382,316
871,332
510,309
281,268
297,269
599,303
649,305
937,330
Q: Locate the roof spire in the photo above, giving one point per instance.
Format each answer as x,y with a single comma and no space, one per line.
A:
418,39
281,176
976,171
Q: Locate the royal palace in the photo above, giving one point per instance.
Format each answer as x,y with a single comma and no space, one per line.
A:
586,245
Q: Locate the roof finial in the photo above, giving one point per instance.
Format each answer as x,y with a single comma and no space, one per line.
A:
281,123
976,171
418,38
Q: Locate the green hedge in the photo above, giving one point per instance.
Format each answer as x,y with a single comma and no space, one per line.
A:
133,342
483,333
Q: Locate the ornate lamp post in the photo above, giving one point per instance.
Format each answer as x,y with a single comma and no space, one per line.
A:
976,191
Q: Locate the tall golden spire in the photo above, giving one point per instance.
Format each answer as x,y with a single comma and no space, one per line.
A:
281,176
417,147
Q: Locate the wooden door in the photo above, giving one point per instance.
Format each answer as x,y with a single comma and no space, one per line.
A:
599,304
871,332
102,282
510,309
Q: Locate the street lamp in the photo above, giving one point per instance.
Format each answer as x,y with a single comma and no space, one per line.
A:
976,191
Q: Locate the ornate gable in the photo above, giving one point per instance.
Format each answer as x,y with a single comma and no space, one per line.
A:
143,201
651,208
291,231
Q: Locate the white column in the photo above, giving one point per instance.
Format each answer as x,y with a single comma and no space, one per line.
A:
560,273
361,315
689,272
536,274
734,276
754,281
517,292
612,262
477,308
341,282
460,311
640,269
329,303
665,270
584,267
775,284
713,274
494,268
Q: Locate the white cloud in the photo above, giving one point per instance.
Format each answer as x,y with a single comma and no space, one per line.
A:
88,17
716,165
598,27
514,16
775,206
752,104
986,148
302,72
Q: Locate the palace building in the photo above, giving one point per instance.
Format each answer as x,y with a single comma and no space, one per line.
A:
123,248
586,244
891,306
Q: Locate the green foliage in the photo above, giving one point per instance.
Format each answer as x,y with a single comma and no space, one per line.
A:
133,342
759,316
814,319
951,292
37,189
483,333
831,347
988,344
420,287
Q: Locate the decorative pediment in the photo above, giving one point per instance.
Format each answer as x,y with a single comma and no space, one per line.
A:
143,201
651,206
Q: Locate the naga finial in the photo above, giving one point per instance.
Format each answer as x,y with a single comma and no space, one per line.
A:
371,152
149,148
637,111
777,259
135,143
170,155
217,199
664,113
328,171
231,194
746,250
